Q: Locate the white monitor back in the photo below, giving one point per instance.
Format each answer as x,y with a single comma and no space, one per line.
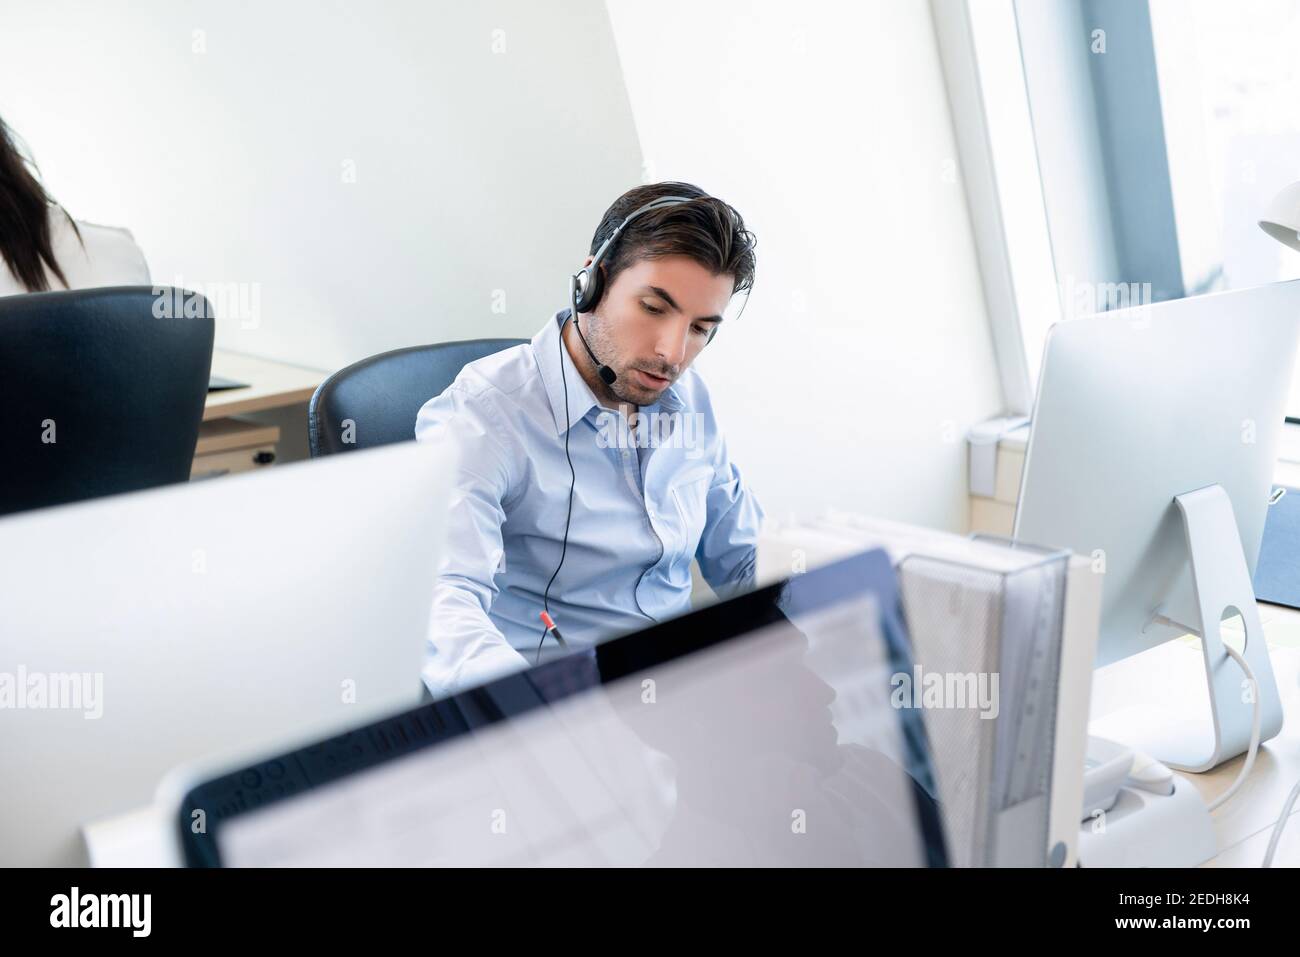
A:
224,617
1137,406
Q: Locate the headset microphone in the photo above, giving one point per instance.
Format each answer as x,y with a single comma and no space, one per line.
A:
607,375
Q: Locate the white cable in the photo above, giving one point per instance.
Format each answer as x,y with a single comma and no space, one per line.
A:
1276,837
1281,823
1254,729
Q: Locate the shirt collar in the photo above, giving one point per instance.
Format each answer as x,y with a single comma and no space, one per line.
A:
550,353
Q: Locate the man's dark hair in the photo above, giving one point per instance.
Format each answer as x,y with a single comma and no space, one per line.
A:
707,230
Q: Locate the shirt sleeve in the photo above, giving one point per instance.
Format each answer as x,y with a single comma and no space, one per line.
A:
464,647
727,553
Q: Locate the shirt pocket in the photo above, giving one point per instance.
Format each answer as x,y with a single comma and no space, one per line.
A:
691,494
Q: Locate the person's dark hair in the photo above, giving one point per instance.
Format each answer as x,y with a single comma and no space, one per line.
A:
25,219
707,230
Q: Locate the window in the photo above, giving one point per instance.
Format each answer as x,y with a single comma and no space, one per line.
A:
1230,88
1163,129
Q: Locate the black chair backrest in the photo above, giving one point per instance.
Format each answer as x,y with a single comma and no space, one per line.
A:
101,391
375,401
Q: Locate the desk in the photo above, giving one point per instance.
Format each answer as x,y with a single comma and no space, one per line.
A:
1242,825
229,444
271,385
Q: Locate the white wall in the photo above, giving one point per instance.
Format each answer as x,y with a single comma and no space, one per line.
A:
864,352
475,170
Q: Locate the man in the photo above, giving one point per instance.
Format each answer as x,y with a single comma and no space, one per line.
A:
651,485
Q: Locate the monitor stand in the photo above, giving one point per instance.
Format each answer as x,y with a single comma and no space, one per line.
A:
1221,582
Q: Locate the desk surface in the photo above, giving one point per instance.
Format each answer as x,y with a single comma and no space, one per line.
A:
1242,825
271,385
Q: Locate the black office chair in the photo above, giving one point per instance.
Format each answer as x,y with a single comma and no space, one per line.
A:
382,395
98,394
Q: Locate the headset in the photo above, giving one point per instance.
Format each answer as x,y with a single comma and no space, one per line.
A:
588,284
585,290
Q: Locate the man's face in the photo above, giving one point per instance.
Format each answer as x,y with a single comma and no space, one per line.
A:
653,321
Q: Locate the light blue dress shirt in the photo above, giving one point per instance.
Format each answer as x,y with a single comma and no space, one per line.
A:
645,503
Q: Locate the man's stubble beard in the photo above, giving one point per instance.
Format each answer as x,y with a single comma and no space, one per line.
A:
604,349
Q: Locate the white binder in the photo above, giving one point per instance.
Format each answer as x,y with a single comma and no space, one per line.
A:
1009,784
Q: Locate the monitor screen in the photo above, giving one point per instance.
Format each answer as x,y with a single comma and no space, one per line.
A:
757,731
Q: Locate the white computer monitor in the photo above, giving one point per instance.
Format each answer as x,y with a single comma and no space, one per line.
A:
1156,427
221,617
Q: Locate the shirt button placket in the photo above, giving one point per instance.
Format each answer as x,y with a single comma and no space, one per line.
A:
663,550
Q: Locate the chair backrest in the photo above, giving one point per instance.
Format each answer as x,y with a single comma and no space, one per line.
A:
375,401
101,391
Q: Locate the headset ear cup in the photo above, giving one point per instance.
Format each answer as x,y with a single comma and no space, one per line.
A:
589,282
